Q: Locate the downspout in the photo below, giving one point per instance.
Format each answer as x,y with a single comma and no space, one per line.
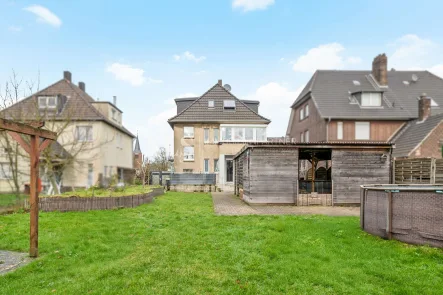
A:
327,129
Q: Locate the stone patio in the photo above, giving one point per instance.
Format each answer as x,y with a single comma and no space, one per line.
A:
228,204
11,260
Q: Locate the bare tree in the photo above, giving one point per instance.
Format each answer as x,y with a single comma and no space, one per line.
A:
144,173
161,160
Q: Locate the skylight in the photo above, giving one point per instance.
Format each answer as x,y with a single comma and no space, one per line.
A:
406,82
356,83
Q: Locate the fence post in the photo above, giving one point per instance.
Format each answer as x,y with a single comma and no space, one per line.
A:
362,208
389,216
433,171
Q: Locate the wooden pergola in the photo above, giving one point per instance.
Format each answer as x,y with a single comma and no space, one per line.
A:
39,139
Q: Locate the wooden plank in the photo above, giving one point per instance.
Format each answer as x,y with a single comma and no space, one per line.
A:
34,159
26,129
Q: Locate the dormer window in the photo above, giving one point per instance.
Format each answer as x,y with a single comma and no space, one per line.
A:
371,99
47,102
211,104
229,104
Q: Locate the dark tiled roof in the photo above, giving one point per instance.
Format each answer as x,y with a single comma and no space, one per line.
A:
137,149
198,111
413,134
78,106
330,90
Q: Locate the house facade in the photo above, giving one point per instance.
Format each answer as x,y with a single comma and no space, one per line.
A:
373,105
93,147
209,130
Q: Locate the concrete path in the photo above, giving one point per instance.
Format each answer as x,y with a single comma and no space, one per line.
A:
228,204
11,260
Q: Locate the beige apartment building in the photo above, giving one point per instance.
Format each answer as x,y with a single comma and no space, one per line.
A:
92,146
209,130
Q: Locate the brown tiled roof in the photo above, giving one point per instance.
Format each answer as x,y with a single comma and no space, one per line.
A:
198,110
78,106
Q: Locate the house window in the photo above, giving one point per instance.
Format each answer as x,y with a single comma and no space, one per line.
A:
84,133
339,130
49,102
302,137
187,170
206,165
188,132
371,99
206,135
306,111
307,136
188,152
226,133
5,171
362,130
261,134
114,113
302,114
215,165
249,133
211,104
239,134
216,135
229,104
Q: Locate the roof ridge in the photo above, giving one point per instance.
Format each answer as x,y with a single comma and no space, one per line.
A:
438,77
85,100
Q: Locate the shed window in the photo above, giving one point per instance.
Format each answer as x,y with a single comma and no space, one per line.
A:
229,104
188,132
362,130
188,152
339,130
371,99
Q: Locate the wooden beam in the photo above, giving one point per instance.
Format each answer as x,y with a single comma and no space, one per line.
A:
44,144
26,129
20,141
34,155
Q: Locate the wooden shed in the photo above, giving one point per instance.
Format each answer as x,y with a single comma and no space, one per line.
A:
325,173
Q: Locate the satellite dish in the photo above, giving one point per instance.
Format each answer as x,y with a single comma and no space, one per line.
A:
414,78
227,87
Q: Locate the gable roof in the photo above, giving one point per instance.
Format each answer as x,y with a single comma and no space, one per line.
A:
413,134
331,91
198,110
78,106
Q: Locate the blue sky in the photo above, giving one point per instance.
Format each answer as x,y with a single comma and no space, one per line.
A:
149,52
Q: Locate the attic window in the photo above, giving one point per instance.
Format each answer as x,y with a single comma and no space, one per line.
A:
47,102
229,104
371,99
211,104
356,83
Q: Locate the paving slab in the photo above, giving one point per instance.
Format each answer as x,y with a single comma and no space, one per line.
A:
11,260
226,203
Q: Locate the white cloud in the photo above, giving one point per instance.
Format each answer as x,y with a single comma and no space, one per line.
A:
14,29
249,5
275,101
188,56
127,73
44,15
412,52
437,70
323,57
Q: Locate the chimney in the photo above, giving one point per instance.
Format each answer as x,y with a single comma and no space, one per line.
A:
82,86
220,82
115,100
424,107
380,69
67,76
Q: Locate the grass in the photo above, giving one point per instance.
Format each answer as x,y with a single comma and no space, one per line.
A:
176,245
11,199
103,192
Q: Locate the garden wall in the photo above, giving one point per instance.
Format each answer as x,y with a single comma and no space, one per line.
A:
64,204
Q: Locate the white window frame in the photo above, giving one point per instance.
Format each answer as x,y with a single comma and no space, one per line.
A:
307,135
211,104
241,129
339,130
46,103
302,114
359,135
206,135
302,137
229,104
89,134
187,156
206,168
216,169
5,171
307,111
189,133
216,132
371,99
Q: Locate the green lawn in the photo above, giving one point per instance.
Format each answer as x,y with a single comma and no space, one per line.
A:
103,192
176,245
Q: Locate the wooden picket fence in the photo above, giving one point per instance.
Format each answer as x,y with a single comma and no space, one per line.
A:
66,204
418,170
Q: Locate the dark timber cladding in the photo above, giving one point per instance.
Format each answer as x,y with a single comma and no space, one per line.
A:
268,172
